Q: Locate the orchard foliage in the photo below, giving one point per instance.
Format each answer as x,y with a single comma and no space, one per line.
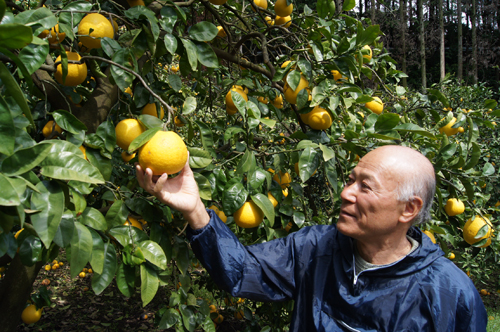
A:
169,53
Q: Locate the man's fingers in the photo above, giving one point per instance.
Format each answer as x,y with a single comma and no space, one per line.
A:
158,186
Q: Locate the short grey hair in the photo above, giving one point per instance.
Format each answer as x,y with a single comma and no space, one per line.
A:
418,184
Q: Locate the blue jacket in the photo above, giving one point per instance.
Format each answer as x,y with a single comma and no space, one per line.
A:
423,292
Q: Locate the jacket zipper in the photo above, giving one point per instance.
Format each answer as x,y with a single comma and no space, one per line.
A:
355,280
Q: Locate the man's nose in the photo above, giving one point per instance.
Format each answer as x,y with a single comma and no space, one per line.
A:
348,193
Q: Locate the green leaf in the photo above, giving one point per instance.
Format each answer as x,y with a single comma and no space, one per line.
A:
386,121
110,46
199,158
70,166
123,78
73,12
103,164
142,139
69,122
293,79
348,5
170,318
117,214
323,8
328,153
102,280
13,89
265,205
81,249
127,235
367,36
153,253
7,129
233,196
34,55
189,105
65,230
206,55
14,35
97,257
93,218
308,163
331,174
490,103
246,162
258,177
9,196
206,136
143,12
268,122
181,254
469,188
386,135
2,9
125,279
474,157
191,52
168,18
473,130
50,203
488,170
299,218
170,44
203,186
149,284
31,250
413,128
438,95
203,31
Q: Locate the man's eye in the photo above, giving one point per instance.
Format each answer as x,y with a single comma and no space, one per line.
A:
365,186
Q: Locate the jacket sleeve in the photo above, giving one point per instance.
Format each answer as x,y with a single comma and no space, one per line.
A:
471,314
263,272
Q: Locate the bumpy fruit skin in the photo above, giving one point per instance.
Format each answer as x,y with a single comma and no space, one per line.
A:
164,153
31,315
472,226
281,8
448,130
77,73
430,235
291,95
92,28
126,131
249,215
376,105
454,207
319,119
283,179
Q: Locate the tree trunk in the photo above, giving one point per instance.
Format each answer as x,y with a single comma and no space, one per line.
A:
372,10
15,290
460,45
421,34
442,69
402,19
474,41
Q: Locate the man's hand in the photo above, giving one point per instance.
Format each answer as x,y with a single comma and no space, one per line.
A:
180,193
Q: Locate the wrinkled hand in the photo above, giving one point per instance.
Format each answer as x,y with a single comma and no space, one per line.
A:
180,193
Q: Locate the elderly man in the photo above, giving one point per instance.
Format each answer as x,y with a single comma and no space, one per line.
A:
372,271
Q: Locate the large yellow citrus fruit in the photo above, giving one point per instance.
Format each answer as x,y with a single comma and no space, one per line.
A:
272,199
229,101
336,75
454,207
319,118
221,32
472,226
31,315
76,72
291,95
281,8
283,20
55,37
376,105
47,129
278,101
126,131
261,3
370,54
430,235
99,25
133,222
164,153
283,179
447,129
151,110
249,215
218,2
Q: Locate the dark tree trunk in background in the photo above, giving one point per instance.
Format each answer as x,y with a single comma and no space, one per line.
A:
474,41
421,34
459,36
402,19
442,72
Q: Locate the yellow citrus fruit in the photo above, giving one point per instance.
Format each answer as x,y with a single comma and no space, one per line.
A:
305,117
278,101
55,266
451,256
376,105
55,36
263,100
282,9
178,122
218,2
76,72
212,308
430,235
129,91
150,109
447,129
90,271
239,315
283,179
245,89
84,151
319,118
54,262
291,95
283,20
269,20
284,64
261,3
18,232
48,267
126,157
289,226
222,216
82,274
219,319
472,226
249,215
461,129
272,199
229,101
164,153
221,32
126,131
497,204
47,129
84,270
99,25
31,315
285,192
483,292
454,207
133,222
336,75
133,3
370,54
214,208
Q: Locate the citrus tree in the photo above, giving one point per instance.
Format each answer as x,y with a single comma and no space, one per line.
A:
275,104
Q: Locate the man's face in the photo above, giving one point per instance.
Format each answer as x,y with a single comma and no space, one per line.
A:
370,209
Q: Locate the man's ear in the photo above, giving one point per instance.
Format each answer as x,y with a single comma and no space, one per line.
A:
411,209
